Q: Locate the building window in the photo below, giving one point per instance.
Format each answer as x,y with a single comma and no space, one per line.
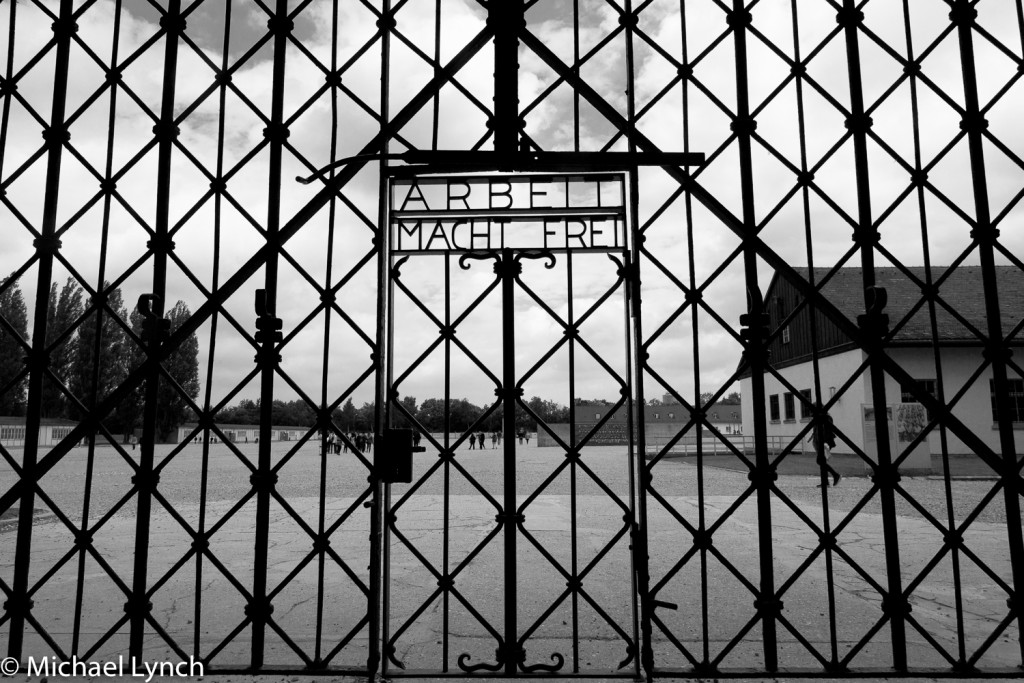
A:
805,405
1015,390
773,407
789,402
925,385
656,416
785,334
671,416
597,416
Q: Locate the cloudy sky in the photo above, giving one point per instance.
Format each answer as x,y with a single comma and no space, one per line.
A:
221,126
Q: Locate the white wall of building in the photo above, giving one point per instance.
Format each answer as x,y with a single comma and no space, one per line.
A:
974,409
835,371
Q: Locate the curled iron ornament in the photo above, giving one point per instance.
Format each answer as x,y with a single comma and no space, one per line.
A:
389,652
559,662
396,268
482,666
476,255
536,255
630,656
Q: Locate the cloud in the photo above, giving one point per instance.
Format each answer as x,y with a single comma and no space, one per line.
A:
684,237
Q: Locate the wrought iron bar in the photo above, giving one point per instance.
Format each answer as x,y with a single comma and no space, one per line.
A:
378,605
150,307
19,604
510,649
767,603
152,310
630,20
574,442
506,19
996,352
874,325
260,608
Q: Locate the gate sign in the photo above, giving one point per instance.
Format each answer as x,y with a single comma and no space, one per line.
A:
459,213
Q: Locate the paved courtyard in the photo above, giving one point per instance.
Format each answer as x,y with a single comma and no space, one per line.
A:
707,596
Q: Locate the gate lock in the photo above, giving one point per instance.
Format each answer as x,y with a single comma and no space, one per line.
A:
393,456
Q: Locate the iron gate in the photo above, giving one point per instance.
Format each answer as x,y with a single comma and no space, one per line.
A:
147,151
485,320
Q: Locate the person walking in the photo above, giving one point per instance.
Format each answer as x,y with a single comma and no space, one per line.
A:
472,441
480,440
823,439
494,440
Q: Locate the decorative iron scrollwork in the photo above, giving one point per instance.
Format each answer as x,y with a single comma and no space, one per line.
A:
478,256
389,652
482,666
536,255
630,656
559,662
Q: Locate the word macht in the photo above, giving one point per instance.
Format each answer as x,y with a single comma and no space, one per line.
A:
508,211
588,233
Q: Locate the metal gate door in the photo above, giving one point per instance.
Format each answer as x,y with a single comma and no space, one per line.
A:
489,565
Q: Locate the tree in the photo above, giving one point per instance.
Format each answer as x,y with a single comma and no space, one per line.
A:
431,414
365,417
400,420
247,412
12,354
62,313
102,358
183,365
463,414
345,417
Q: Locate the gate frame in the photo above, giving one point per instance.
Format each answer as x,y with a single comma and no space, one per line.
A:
557,164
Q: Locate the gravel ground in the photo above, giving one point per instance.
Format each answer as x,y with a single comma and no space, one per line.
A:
345,476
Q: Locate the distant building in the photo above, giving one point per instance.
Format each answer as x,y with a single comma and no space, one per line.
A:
839,358
241,433
662,422
51,431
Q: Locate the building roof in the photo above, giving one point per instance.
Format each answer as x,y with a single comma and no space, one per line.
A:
963,290
43,422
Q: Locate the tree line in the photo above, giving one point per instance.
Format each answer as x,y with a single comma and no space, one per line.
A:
462,414
91,354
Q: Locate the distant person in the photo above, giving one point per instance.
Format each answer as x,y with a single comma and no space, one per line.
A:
480,440
472,441
519,434
527,435
823,439
415,438
494,440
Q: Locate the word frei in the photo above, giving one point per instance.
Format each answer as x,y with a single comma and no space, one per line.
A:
121,668
518,211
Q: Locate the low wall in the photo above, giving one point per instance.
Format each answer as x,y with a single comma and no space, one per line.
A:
658,435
